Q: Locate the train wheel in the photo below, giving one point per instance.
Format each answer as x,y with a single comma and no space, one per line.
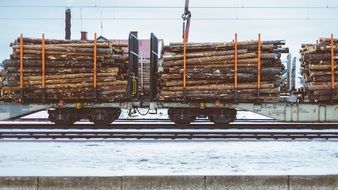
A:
233,114
64,123
62,117
222,117
104,117
181,117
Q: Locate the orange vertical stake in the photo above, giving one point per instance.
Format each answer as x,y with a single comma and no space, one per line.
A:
236,57
259,62
21,61
332,64
94,69
184,59
43,61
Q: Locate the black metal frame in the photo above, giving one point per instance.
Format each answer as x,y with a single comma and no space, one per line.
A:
133,67
153,66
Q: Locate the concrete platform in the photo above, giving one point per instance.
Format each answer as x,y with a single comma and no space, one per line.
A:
247,182
329,182
18,183
92,183
163,182
313,182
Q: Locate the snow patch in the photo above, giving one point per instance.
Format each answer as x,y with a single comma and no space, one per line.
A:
168,158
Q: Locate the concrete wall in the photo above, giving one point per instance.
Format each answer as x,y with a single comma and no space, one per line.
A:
171,183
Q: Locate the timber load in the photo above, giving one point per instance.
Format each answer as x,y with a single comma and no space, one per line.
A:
144,77
53,70
319,70
231,71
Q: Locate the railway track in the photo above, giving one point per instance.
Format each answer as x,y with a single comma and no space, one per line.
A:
166,124
167,135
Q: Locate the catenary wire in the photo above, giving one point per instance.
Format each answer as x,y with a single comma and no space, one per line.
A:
168,7
175,19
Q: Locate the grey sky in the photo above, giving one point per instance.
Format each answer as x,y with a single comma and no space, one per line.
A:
296,21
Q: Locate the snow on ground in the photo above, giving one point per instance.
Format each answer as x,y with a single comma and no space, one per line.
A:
111,158
161,114
168,158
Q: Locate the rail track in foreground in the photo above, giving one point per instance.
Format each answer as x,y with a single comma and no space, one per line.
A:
166,124
168,135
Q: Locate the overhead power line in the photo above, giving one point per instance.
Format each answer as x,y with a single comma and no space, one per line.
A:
168,7
174,19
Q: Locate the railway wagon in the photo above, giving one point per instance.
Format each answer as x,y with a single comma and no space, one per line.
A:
220,73
193,90
73,79
211,80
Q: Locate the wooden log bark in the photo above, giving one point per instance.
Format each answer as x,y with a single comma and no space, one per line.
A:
316,70
62,49
248,56
266,45
324,78
328,40
219,62
224,70
66,42
64,70
68,71
252,85
68,45
319,85
70,76
322,67
62,63
63,53
229,66
170,57
210,70
65,86
319,56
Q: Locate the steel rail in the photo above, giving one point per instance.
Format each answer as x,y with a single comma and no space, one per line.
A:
149,119
177,135
155,124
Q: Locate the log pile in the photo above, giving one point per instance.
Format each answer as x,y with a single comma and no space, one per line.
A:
317,72
210,71
144,76
2,78
69,68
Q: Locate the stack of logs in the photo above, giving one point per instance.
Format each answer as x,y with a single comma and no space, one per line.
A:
2,78
144,76
317,71
69,71
210,71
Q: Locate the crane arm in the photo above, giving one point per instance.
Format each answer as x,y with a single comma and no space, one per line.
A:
186,19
